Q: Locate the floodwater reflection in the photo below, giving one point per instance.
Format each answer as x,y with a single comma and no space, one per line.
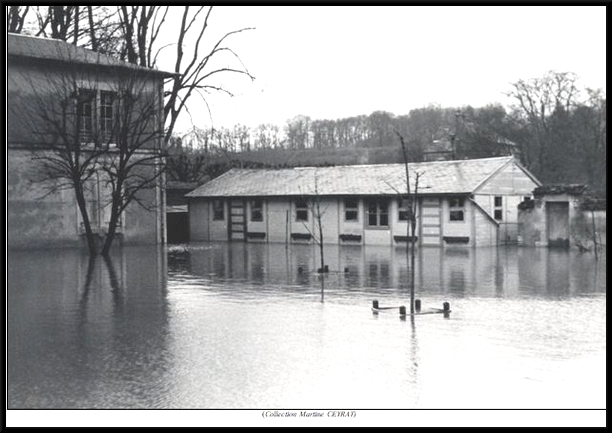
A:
218,326
85,333
459,272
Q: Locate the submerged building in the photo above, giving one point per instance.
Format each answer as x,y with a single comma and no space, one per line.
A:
64,106
469,202
563,216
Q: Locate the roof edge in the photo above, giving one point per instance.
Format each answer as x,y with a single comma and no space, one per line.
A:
487,214
509,159
113,62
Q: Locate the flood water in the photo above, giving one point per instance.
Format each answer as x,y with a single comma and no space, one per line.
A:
254,326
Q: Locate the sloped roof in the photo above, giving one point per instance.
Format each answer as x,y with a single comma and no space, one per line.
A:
439,177
19,45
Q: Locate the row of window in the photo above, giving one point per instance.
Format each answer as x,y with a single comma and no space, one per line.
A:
377,211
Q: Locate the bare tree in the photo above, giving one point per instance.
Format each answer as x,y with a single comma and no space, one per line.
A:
297,130
590,132
267,136
15,18
47,118
141,26
127,165
411,208
195,73
94,130
318,215
314,207
134,34
537,100
58,22
133,162
93,27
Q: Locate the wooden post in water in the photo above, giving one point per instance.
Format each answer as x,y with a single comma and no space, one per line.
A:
322,289
375,304
286,229
446,309
402,311
417,305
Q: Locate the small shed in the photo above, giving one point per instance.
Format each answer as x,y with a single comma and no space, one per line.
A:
562,216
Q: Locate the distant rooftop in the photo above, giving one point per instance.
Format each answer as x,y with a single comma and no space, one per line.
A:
439,177
18,45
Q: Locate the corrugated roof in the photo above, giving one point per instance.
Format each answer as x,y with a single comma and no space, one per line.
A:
58,50
439,177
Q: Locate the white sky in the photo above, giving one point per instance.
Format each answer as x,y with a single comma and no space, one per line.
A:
334,62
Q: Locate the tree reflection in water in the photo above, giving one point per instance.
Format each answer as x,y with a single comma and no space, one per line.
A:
223,326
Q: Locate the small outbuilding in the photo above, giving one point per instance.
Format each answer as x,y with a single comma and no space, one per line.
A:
562,216
466,203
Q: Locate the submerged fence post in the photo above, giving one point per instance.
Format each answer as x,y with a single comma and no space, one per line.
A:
402,311
375,304
446,309
417,305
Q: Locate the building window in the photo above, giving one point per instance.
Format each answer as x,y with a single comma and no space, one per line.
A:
107,115
301,210
257,210
351,209
96,116
218,210
378,213
403,210
85,112
456,208
498,211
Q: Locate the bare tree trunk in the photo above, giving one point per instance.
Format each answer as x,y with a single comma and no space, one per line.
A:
92,27
320,233
112,229
16,18
89,235
411,223
76,25
595,245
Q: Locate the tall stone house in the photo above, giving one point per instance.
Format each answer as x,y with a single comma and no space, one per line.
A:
56,88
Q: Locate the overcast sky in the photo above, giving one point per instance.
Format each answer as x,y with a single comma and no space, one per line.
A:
334,62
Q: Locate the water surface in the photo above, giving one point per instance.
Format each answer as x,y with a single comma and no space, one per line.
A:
218,326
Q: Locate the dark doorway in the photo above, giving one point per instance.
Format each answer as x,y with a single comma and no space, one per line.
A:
178,227
557,223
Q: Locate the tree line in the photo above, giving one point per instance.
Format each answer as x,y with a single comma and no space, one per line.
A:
555,128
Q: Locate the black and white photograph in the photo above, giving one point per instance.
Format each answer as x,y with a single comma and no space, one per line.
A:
306,216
